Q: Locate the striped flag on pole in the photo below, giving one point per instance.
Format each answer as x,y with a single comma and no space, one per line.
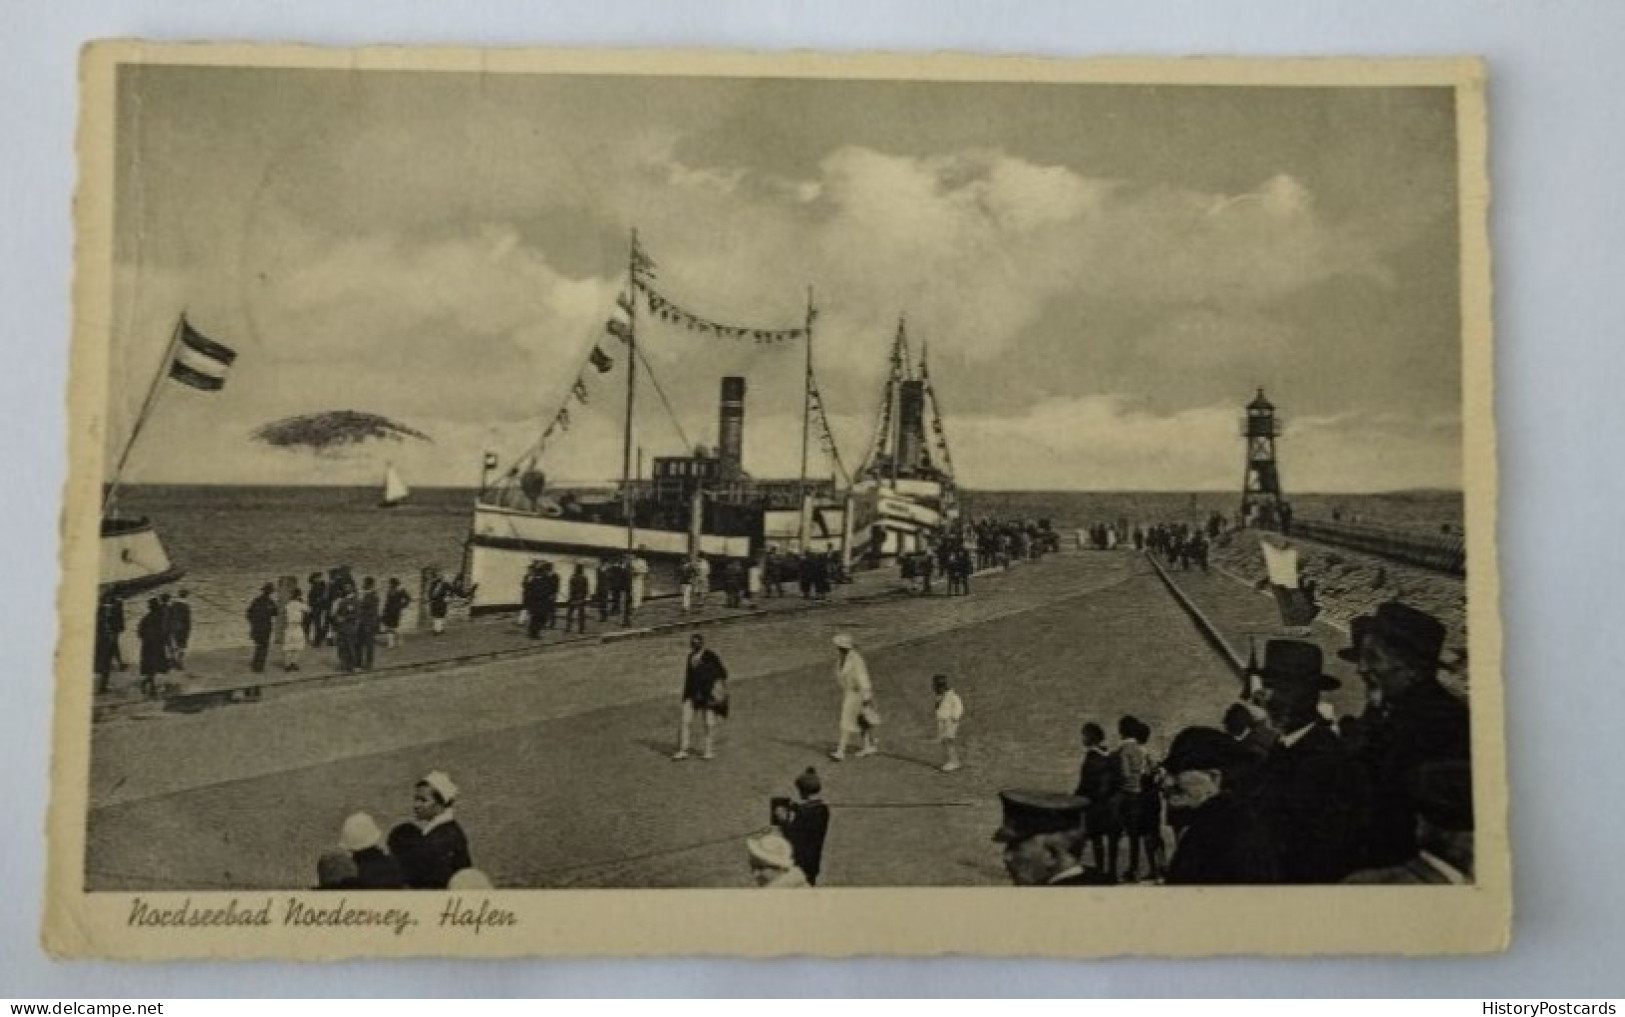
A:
1294,603
200,361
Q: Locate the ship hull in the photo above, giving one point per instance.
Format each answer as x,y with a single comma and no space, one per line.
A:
504,542
133,559
903,516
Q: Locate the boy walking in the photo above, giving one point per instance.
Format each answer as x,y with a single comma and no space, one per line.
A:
950,710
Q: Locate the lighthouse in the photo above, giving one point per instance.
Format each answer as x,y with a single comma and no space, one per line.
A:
1261,501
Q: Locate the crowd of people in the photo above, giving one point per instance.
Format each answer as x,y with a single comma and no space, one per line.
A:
427,852
332,609
1280,790
163,634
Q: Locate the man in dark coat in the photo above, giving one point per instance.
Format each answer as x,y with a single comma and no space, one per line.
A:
1098,780
178,618
704,696
319,598
1311,793
1220,839
1441,797
154,637
1412,720
550,595
396,601
1042,834
346,627
106,639
532,593
261,616
575,607
808,825
367,618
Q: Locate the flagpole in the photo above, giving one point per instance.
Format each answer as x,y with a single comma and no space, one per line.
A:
627,505
110,500
806,428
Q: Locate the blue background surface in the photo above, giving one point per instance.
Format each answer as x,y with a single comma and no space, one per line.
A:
1557,100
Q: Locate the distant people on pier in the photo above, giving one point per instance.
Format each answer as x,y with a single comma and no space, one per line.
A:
319,601
637,570
575,608
439,600
368,618
261,615
346,626
153,633
533,599
705,697
109,627
432,847
297,614
396,601
178,619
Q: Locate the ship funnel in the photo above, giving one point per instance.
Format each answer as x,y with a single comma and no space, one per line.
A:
910,425
731,425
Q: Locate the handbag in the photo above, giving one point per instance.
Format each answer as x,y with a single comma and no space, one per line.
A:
869,716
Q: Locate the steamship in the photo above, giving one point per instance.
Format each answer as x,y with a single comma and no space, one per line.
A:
904,496
700,504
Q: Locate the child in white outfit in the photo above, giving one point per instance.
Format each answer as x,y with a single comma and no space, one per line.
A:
950,710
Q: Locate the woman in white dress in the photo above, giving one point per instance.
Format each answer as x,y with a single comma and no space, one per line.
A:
858,715
293,630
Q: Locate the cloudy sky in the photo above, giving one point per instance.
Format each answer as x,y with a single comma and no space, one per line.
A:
1104,273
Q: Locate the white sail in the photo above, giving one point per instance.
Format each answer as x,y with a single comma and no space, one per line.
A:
395,489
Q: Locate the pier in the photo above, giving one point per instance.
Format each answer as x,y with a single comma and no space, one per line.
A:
562,755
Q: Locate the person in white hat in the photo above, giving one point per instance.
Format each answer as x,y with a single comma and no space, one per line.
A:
773,864
376,869
433,848
858,714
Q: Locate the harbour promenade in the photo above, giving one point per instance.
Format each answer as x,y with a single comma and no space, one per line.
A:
563,756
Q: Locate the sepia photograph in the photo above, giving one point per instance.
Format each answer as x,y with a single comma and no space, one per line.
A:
527,502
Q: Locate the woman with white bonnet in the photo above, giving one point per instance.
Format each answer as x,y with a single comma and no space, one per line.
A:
432,848
858,715
376,869
773,864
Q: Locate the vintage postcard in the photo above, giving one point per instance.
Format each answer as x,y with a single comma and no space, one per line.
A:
534,502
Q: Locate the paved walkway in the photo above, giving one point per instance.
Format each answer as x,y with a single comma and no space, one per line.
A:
563,757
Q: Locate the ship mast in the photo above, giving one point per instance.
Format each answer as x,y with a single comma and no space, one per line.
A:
806,428
627,504
110,498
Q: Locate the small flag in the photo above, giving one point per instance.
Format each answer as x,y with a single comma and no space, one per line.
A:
579,390
642,264
618,328
490,460
624,301
600,360
200,361
1291,599
563,419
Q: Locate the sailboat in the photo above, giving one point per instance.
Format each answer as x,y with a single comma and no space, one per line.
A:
702,503
395,489
132,555
905,493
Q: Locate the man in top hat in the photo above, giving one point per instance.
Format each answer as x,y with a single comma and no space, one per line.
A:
1042,836
1412,719
1312,794
1219,836
1442,796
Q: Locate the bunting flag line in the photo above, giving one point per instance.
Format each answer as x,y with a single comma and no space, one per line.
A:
668,311
600,360
200,361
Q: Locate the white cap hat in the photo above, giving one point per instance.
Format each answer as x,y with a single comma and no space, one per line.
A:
441,785
359,833
843,641
469,879
772,850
